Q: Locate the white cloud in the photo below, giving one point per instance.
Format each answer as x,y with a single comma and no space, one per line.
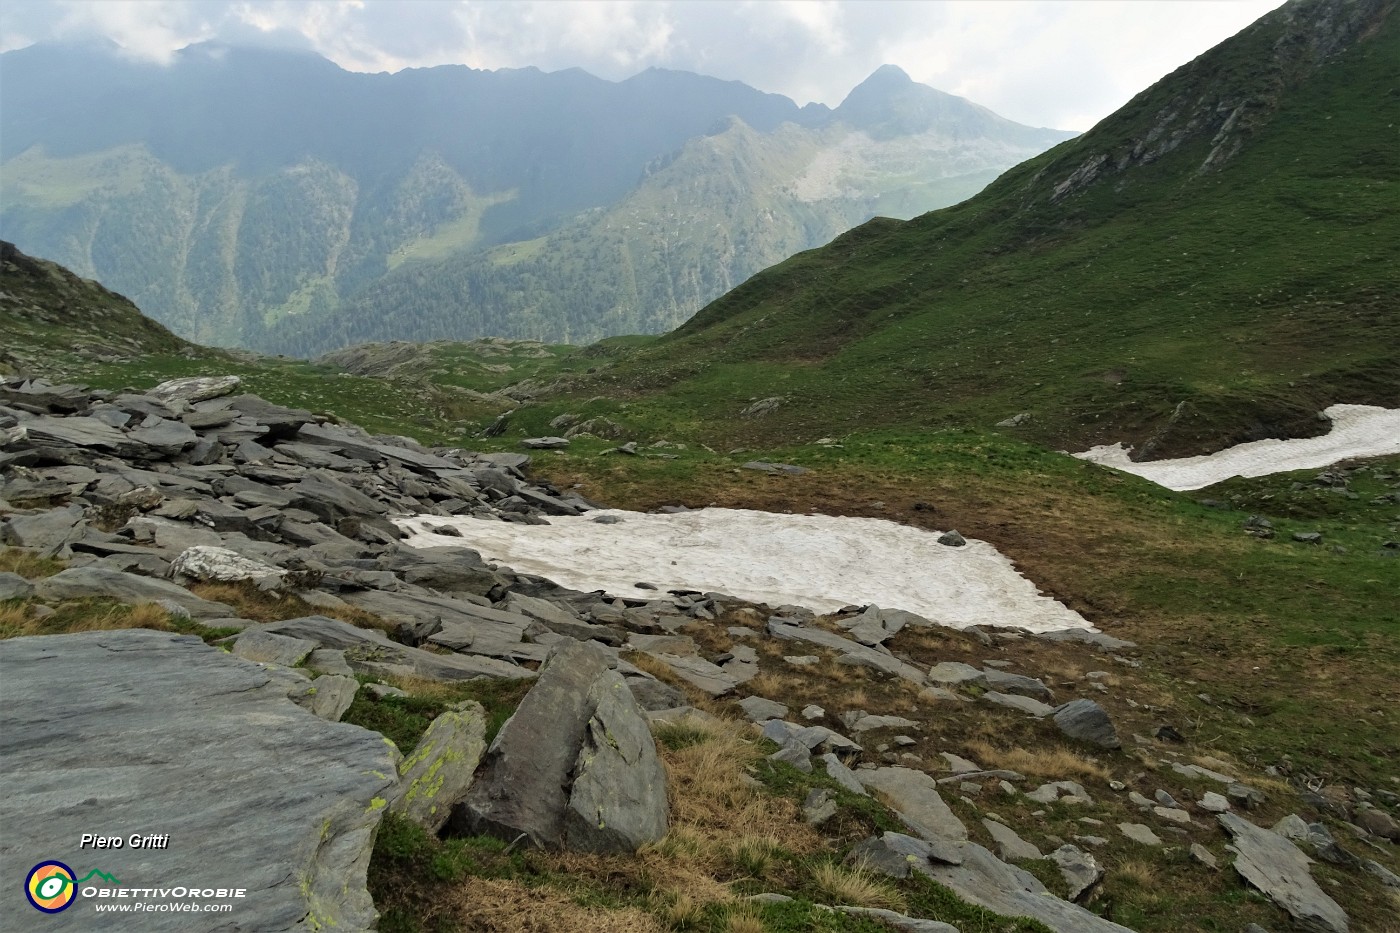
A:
1063,63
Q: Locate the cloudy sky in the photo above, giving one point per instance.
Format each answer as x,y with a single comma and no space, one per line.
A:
1060,63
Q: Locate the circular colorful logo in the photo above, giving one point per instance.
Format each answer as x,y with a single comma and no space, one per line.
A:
50,887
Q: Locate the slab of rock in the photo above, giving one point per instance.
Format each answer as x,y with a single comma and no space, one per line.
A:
836,770
1087,721
1080,870
179,392
101,583
653,695
986,881
1140,833
1277,868
1025,704
898,856
898,921
760,710
201,734
439,772
13,586
328,697
545,443
1010,846
914,795
698,672
205,563
49,533
851,652
956,674
369,651
267,648
575,767
1002,682
1212,802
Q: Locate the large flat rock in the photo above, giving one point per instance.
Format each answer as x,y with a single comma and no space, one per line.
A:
141,732
1280,871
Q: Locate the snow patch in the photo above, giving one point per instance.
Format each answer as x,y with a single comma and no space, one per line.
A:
1357,431
818,561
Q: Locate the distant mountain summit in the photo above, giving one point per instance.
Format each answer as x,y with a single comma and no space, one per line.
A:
889,104
1216,262
270,199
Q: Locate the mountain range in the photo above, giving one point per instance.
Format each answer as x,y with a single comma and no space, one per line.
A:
270,199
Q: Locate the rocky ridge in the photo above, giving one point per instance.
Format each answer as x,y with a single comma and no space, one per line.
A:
145,495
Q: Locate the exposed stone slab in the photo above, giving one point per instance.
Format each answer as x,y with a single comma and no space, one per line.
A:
575,767
1087,721
851,652
1010,846
1023,703
439,772
253,791
102,583
372,652
328,697
1278,869
914,795
986,881
267,648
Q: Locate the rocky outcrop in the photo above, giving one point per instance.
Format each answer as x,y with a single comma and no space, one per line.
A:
575,767
440,771
1276,867
252,790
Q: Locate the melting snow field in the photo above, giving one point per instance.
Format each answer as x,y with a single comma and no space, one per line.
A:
818,561
1357,431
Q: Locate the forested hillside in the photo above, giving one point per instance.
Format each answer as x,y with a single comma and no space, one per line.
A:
274,201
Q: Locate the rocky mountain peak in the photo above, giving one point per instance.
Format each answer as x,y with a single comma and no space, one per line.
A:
1219,100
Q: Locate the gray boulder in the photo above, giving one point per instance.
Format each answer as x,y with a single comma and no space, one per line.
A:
13,586
1277,868
371,652
207,563
575,767
1010,846
201,732
327,697
266,648
916,802
545,443
102,583
179,392
1087,721
983,879
438,774
1080,870
48,534
851,652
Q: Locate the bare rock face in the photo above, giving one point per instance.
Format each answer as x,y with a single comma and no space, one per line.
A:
1279,870
575,767
141,732
439,772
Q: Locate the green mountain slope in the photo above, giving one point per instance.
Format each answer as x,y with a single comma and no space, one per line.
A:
699,223
1217,261
272,200
46,310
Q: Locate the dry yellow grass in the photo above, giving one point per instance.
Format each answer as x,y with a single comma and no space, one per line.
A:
498,906
252,603
27,564
856,886
1138,874
743,921
1058,763
17,620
